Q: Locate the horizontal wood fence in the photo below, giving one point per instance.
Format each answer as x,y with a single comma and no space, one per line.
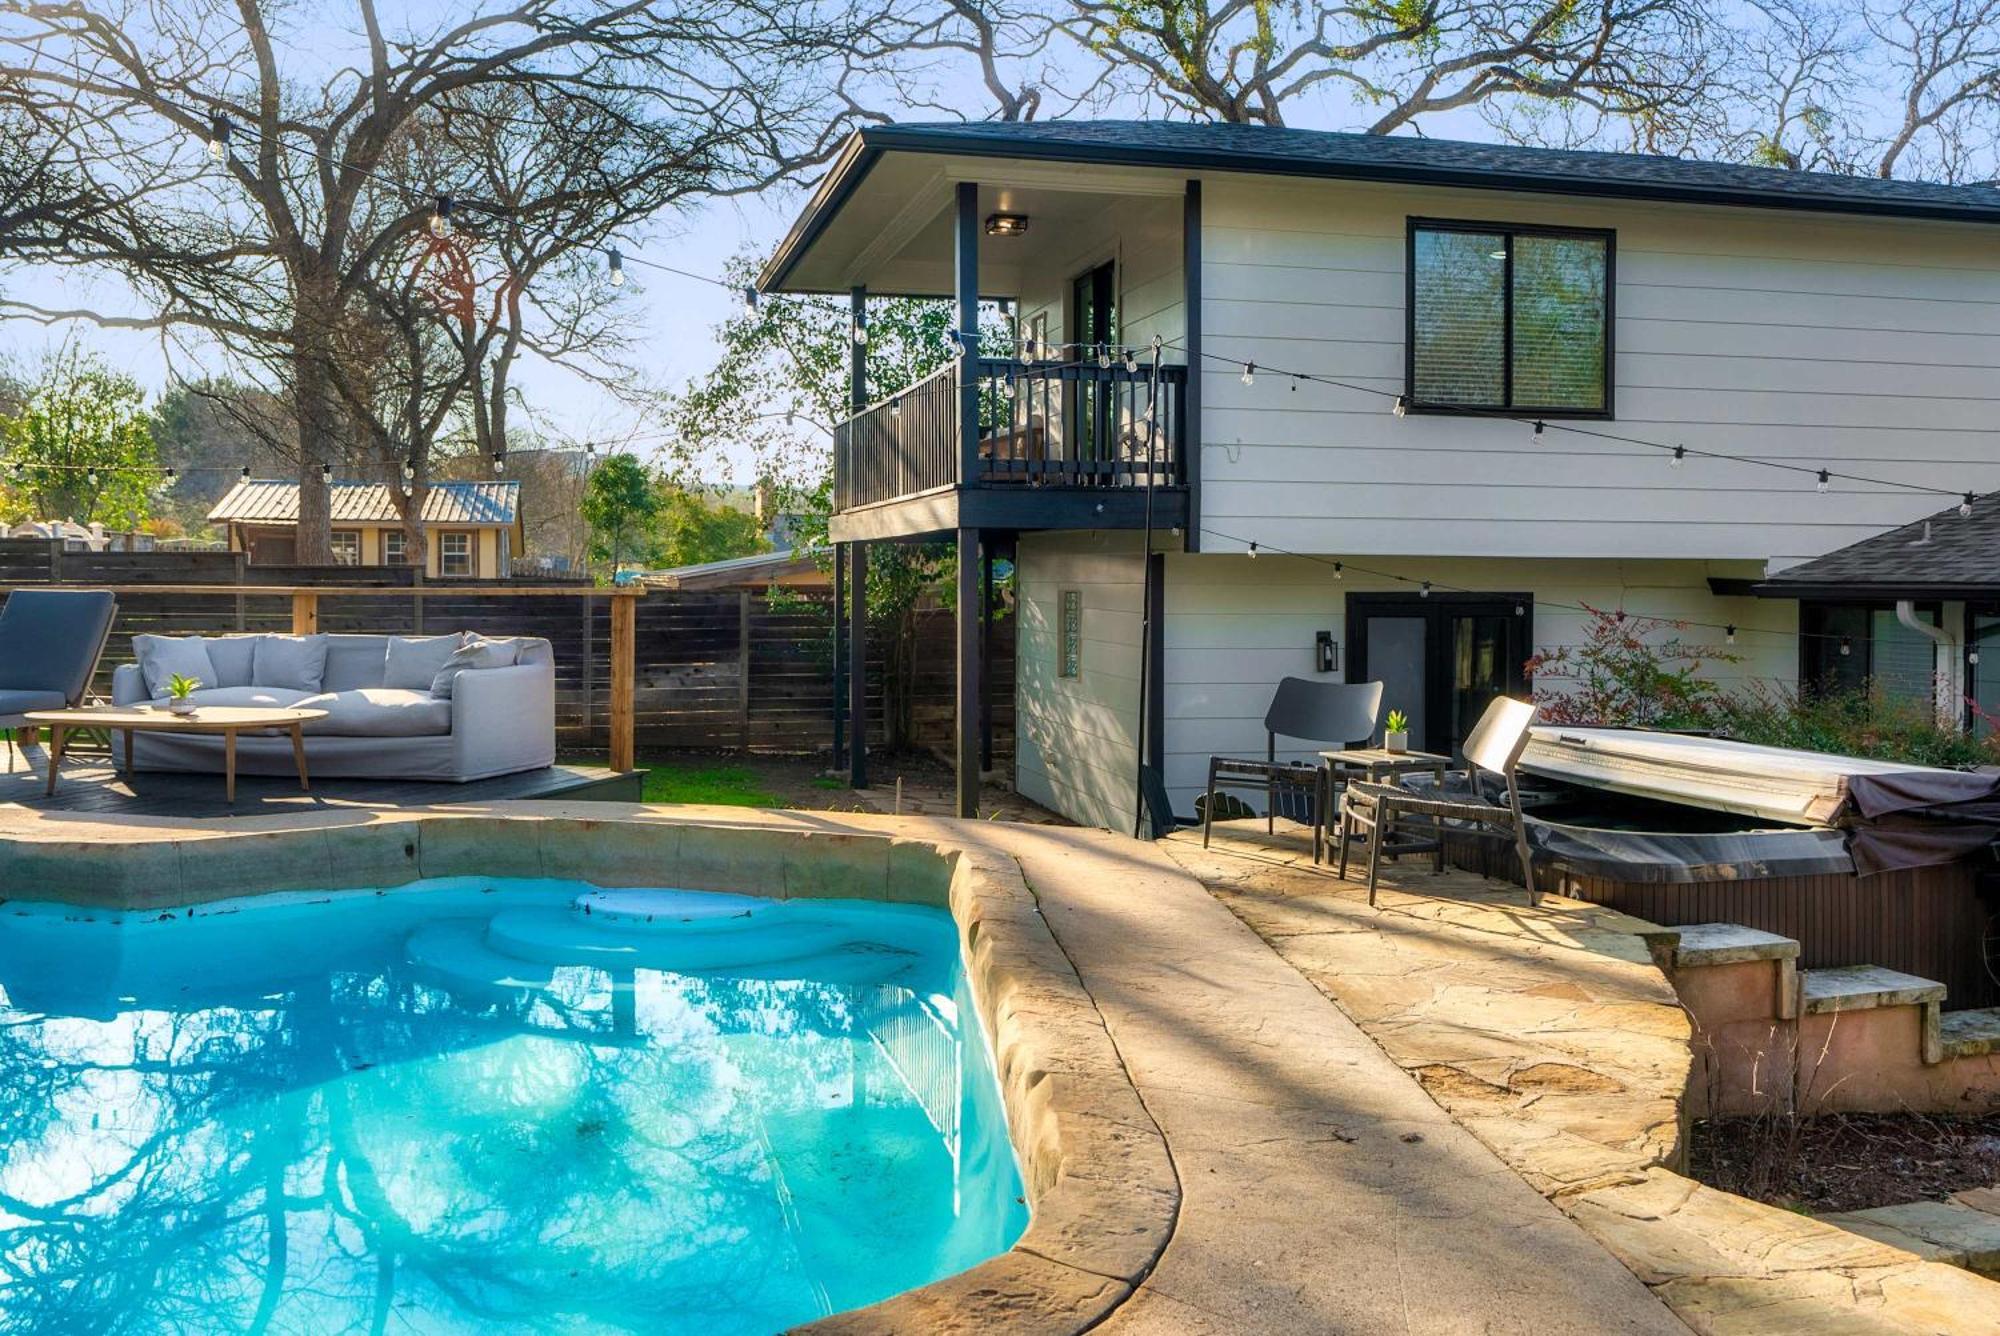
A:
731,671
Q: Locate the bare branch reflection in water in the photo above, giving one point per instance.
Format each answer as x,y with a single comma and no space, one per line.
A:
277,1121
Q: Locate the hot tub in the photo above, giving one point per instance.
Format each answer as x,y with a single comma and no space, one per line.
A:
1680,831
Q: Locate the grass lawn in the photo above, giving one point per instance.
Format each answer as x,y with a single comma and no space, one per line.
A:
708,782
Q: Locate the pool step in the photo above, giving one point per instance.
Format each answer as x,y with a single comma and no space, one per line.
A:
1849,988
784,947
1707,945
457,953
676,911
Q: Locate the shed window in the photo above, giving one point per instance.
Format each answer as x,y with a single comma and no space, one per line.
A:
455,553
346,547
1509,320
395,547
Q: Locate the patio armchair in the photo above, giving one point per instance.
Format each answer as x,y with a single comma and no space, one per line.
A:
50,642
1395,820
1329,714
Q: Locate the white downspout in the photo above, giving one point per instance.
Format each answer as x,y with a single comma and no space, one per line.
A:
1946,668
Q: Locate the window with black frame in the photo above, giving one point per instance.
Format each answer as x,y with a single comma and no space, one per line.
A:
1506,319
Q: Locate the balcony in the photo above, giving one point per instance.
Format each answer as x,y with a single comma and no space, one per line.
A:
1061,445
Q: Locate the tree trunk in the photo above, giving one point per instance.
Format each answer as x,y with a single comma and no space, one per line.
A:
316,410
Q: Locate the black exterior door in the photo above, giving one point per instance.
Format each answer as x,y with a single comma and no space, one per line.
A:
1093,320
1441,659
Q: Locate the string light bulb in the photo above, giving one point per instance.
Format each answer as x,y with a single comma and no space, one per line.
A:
617,268
218,138
1253,552
168,477
1729,634
1679,457
1540,427
1965,507
749,300
1846,646
245,474
407,489
859,333
1103,357
1825,481
1131,363
1007,386
91,477
326,474
441,217
1249,373
499,461
1337,571
1424,591
409,469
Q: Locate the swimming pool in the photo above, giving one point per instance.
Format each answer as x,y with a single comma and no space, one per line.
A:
480,1105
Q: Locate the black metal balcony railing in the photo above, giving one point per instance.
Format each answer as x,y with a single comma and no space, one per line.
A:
1069,424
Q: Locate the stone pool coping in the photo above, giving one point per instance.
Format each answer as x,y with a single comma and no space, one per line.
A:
1553,1036
1099,1180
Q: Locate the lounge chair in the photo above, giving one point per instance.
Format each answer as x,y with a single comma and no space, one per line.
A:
50,641
1328,714
1384,812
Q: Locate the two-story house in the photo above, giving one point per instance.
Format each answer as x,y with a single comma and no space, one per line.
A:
1417,404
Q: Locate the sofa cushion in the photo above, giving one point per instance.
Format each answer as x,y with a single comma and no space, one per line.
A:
297,663
475,654
258,697
378,712
161,657
413,662
235,660
354,661
20,702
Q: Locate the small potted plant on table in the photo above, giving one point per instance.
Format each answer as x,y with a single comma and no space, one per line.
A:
180,693
1396,732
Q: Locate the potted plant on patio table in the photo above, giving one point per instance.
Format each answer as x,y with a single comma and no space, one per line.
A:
180,693
1396,732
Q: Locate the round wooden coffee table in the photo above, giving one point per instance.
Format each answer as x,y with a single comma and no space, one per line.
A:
228,720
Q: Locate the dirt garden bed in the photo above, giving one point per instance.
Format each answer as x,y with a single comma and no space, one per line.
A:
1846,1162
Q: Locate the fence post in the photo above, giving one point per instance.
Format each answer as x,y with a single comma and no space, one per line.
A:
743,670
623,754
305,612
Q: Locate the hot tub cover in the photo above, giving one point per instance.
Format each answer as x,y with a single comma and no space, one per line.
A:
1896,815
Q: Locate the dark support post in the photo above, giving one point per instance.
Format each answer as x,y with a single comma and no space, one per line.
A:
1191,399
839,655
857,663
967,716
966,314
986,654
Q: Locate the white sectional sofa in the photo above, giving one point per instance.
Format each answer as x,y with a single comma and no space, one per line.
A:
383,720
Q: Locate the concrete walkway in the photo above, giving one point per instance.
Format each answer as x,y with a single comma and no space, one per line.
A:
1322,1189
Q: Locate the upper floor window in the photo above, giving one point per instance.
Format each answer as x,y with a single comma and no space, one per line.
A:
1506,319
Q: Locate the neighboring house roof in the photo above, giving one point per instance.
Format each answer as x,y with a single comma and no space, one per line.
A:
757,569
274,501
1946,555
1217,147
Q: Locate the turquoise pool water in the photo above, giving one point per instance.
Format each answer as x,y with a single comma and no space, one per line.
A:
486,1106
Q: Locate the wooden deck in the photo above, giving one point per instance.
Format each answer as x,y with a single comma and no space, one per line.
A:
89,784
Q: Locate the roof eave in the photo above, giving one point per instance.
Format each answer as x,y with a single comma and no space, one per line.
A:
1875,589
865,147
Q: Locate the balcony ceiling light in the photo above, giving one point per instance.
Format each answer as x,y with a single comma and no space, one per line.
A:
1006,224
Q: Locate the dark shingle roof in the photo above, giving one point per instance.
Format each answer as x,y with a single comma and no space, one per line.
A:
1946,553
1210,146
1263,148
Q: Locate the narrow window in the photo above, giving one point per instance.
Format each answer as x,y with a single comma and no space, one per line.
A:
1071,650
1509,320
394,547
455,553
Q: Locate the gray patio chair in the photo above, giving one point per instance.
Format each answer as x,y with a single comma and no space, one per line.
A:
1383,812
1332,714
50,641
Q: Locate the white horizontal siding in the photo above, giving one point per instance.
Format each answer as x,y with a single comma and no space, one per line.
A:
1075,736
1234,626
1872,345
